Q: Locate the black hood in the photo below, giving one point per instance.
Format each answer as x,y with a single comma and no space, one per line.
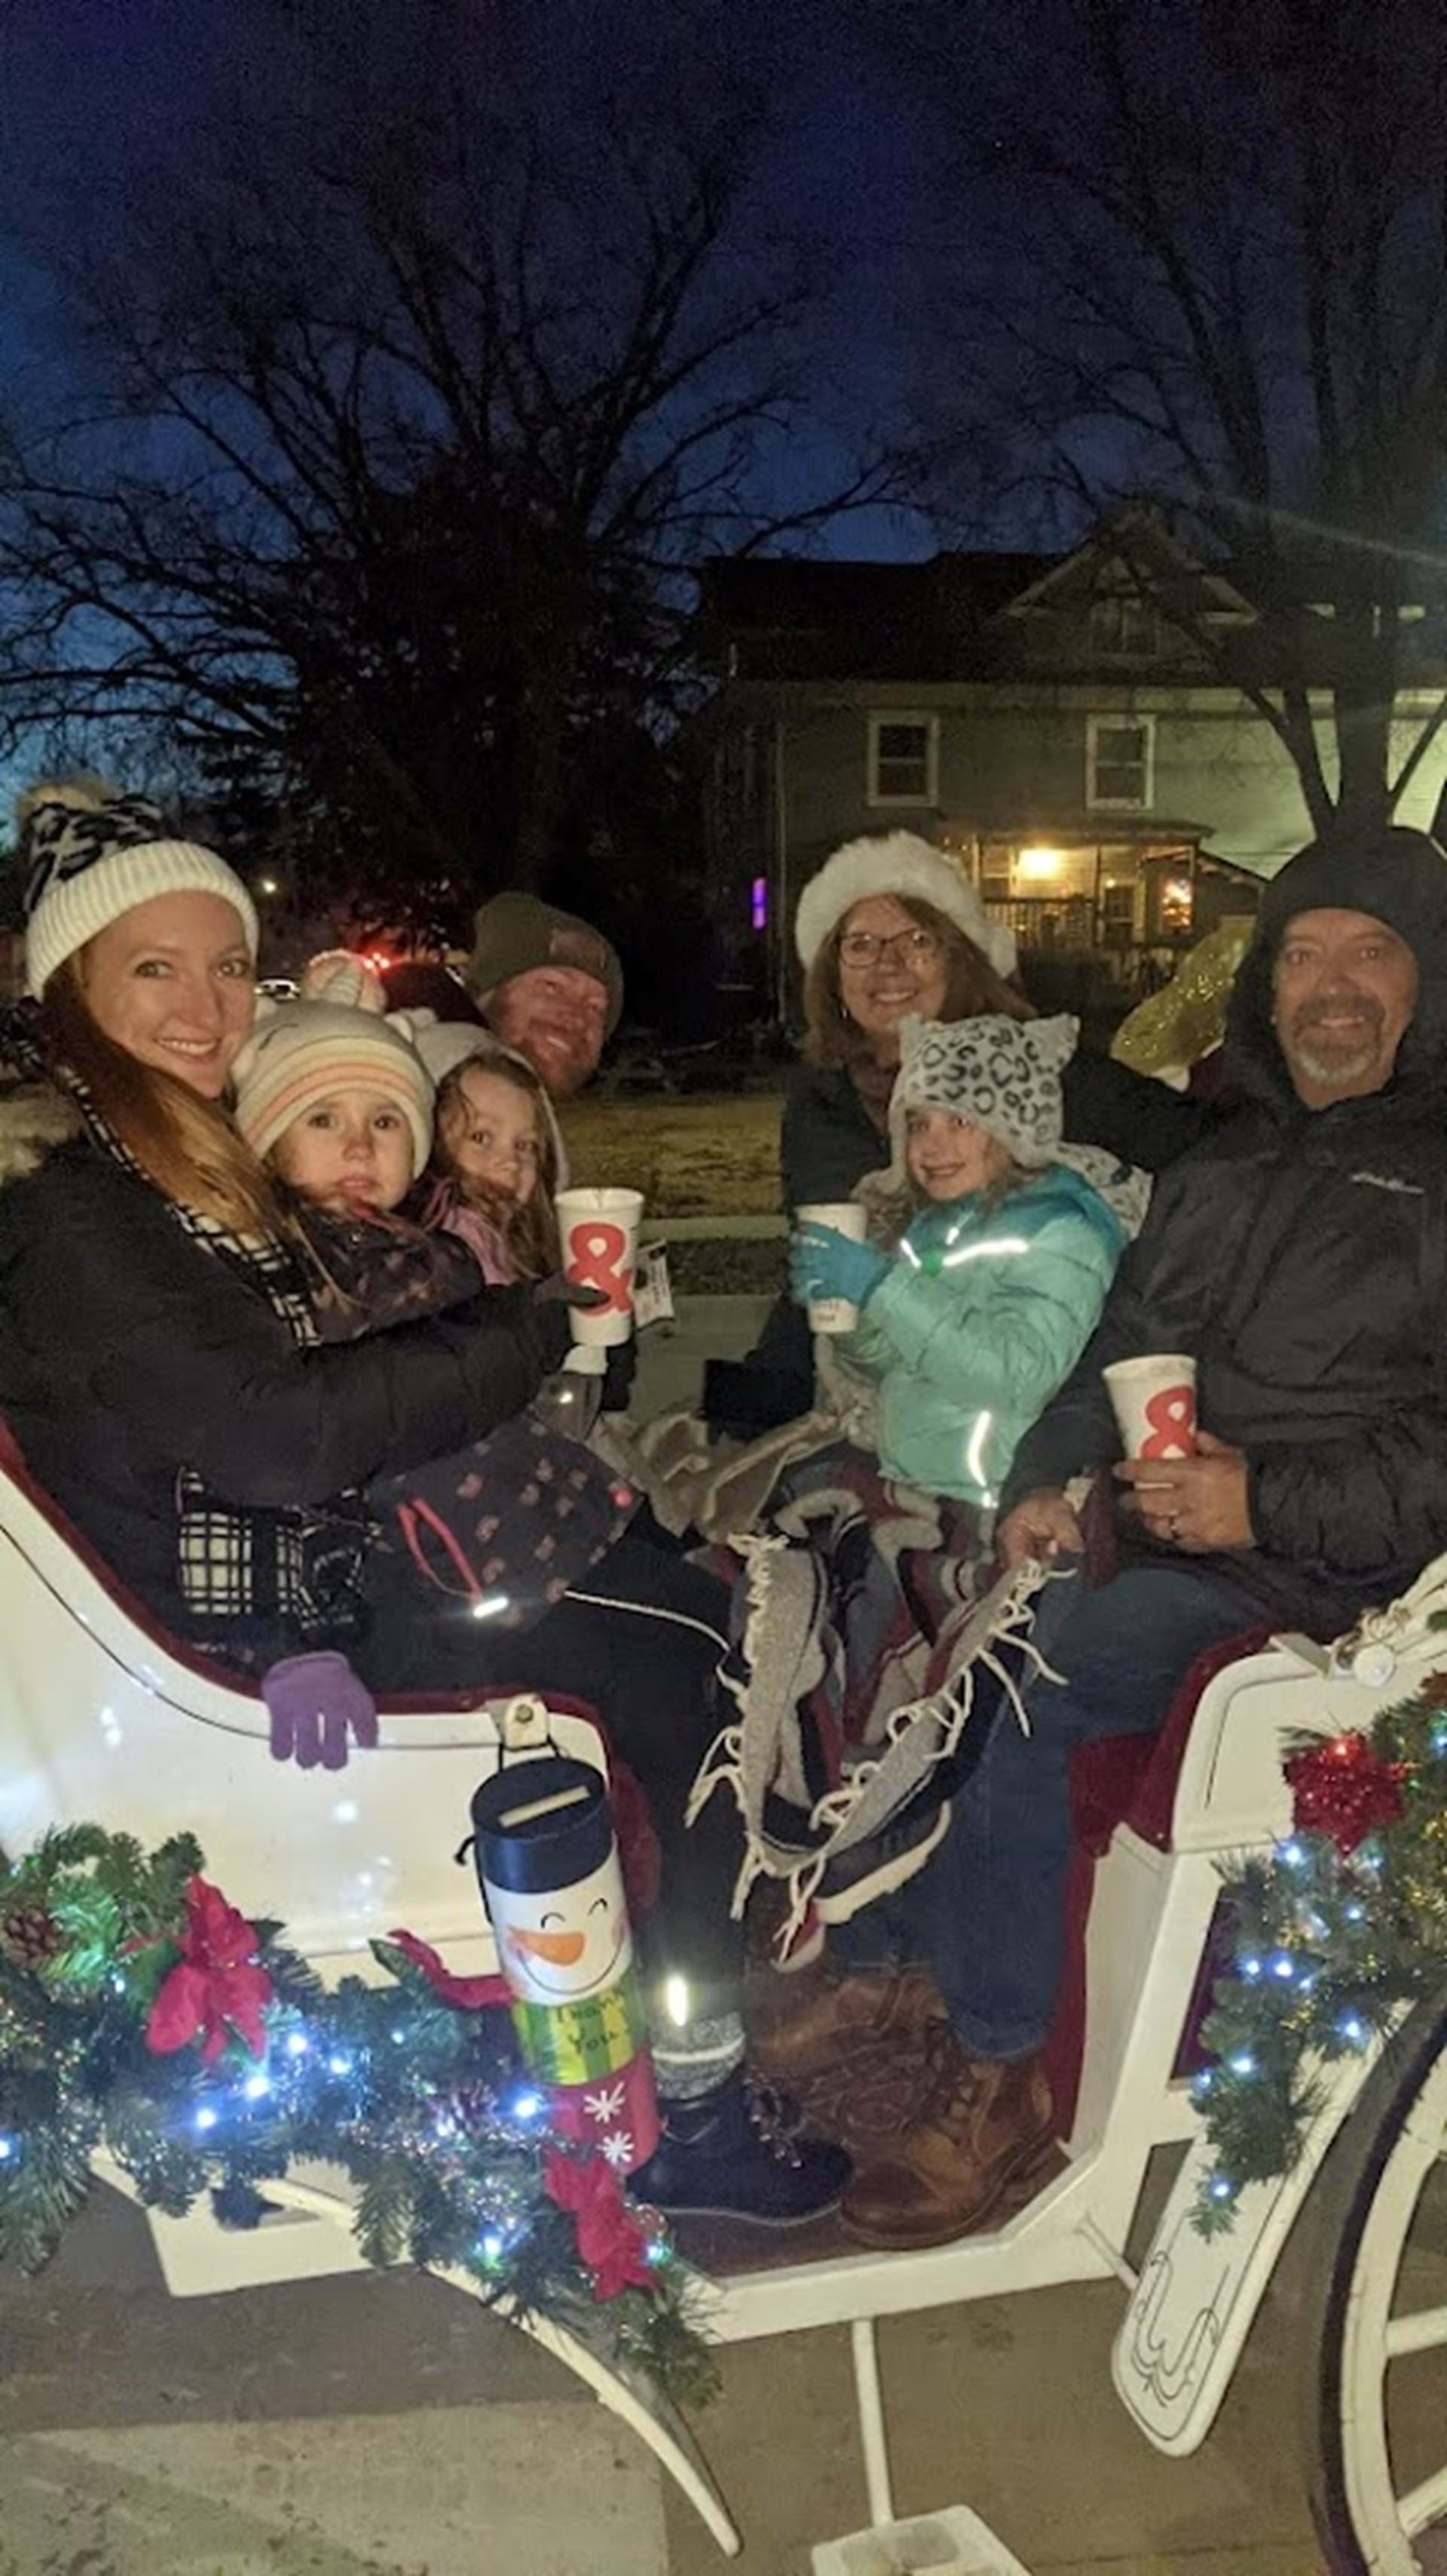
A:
1397,876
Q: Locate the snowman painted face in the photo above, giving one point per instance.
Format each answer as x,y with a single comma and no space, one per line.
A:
566,1941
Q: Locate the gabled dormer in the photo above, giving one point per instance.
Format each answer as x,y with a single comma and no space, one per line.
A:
1127,604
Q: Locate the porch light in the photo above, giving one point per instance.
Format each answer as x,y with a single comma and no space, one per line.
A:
1040,862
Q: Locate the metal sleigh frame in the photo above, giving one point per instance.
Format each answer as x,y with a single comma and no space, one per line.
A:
100,1717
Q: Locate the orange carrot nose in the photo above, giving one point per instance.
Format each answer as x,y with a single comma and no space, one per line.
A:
560,1949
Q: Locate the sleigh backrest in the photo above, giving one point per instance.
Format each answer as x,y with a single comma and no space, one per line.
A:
104,1718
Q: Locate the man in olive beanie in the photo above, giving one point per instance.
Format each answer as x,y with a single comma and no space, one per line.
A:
548,985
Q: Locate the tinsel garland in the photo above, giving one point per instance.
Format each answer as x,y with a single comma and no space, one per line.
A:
1343,1926
140,2014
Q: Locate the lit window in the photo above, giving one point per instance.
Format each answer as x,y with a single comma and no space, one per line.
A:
903,760
1119,762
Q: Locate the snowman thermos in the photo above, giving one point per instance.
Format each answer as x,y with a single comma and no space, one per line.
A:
548,1864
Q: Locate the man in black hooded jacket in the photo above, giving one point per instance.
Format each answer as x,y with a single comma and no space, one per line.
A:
1299,1252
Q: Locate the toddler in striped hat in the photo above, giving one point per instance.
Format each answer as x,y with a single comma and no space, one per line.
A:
332,1095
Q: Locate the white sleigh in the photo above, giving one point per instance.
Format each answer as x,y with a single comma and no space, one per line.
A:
102,1719
105,1720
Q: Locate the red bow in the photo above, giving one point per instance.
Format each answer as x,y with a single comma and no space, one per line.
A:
612,2241
216,1987
1344,1789
465,1994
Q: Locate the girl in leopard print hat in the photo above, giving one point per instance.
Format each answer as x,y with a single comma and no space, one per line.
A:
1003,1252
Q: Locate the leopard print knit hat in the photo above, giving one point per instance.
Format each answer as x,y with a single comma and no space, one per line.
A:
1001,1074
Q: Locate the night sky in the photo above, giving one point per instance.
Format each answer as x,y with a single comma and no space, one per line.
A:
93,92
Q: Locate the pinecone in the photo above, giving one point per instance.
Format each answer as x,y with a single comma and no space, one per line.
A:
29,1935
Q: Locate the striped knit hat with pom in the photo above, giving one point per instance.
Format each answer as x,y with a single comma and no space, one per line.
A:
336,1037
89,856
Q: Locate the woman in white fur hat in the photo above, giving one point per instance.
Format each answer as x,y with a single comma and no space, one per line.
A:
891,928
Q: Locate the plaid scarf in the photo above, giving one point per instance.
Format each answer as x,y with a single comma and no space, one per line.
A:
256,1580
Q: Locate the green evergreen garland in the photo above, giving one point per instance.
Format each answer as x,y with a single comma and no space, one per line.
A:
1331,1944
422,2105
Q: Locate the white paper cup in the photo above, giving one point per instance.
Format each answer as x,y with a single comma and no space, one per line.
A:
1155,1404
599,1230
834,1314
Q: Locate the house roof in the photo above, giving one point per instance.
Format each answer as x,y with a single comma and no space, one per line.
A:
967,616
798,618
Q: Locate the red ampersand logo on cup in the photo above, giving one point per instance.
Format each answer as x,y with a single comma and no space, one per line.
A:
595,1260
1172,1417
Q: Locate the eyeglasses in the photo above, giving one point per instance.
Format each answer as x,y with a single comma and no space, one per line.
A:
866,947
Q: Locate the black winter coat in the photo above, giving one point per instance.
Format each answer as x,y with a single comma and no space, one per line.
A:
1299,1255
129,1352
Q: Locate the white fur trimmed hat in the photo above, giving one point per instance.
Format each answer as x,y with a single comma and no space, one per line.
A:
307,1049
897,863
90,856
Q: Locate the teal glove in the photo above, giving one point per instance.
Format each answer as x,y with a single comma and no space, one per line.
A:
823,1263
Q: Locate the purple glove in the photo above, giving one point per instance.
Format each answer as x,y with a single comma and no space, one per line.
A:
313,1699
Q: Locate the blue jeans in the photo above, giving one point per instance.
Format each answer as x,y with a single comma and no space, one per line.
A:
988,1911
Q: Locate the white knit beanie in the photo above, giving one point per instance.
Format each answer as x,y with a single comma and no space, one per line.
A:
308,1049
445,1045
897,863
91,856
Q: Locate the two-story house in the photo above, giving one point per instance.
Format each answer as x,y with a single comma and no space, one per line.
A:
1042,717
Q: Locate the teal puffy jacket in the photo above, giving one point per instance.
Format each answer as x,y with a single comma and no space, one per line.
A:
980,1318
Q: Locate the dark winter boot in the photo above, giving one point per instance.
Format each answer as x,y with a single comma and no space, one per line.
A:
736,2153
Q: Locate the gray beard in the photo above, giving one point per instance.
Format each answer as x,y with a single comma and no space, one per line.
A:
1328,1069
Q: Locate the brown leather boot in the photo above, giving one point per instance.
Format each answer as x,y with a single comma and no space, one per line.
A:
980,2123
837,2012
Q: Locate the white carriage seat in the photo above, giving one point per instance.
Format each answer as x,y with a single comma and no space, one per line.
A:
106,1719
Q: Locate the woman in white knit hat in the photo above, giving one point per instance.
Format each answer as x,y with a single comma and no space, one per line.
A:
163,1372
